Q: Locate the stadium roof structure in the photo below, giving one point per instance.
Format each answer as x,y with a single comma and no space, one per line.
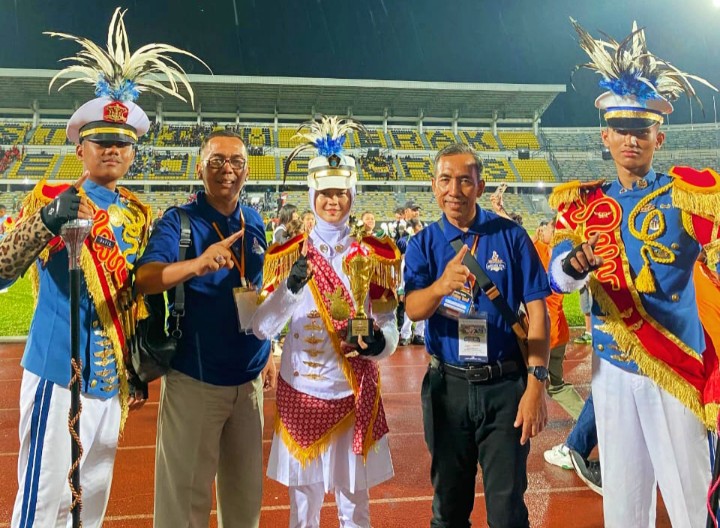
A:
25,92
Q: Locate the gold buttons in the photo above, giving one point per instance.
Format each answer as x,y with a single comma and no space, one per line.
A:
674,297
296,373
95,324
93,384
675,245
600,348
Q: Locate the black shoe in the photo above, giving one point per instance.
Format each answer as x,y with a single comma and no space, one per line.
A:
418,340
404,342
588,471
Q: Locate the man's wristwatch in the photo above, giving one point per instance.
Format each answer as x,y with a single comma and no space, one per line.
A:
541,373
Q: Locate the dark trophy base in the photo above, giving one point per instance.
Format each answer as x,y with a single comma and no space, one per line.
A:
360,327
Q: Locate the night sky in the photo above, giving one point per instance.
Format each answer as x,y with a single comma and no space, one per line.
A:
511,41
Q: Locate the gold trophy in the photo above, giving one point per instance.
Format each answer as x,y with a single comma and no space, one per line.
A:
357,265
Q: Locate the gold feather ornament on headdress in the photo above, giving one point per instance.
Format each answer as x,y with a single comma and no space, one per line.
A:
121,75
629,69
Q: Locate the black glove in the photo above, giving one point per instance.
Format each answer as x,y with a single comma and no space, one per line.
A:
568,268
61,210
299,275
376,346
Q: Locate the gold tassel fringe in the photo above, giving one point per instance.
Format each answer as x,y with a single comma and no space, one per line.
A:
693,200
655,369
96,294
310,453
561,235
278,264
645,282
564,194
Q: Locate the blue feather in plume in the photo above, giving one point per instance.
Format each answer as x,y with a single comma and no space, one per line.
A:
327,146
629,84
125,92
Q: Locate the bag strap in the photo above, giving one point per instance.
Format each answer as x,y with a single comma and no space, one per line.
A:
178,310
483,282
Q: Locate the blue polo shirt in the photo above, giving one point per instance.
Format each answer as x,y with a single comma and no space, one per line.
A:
507,255
212,349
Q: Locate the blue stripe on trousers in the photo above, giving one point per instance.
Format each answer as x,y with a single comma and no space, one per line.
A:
37,436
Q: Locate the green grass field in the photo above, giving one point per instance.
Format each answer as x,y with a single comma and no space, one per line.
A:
16,309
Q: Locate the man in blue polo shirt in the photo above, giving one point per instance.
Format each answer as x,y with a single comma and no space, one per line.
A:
479,403
210,418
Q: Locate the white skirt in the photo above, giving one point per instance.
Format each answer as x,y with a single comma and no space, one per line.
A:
336,467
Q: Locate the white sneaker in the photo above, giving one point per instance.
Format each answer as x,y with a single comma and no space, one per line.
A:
559,456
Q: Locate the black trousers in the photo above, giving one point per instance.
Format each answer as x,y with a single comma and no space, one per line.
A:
467,424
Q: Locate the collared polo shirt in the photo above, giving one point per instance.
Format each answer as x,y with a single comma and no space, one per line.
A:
212,349
507,255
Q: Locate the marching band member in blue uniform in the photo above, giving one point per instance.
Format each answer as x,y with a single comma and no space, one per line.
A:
105,130
634,240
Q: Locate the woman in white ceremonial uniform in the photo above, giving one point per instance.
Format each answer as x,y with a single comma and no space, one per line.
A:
330,428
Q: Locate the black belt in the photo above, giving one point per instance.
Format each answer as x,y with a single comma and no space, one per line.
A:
479,374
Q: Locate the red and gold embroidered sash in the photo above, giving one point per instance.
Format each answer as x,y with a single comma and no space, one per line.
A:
104,268
362,375
657,352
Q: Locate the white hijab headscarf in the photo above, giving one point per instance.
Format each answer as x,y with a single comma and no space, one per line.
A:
332,233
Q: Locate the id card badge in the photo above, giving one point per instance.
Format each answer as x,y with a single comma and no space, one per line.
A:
472,338
458,304
246,298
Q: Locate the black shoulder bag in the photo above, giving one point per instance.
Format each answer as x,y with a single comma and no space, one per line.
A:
519,324
151,347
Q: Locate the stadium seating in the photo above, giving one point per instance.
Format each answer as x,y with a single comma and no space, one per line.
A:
513,140
285,138
13,133
569,141
257,136
33,167
373,138
405,139
534,170
263,168
376,168
498,170
52,134
415,168
438,139
479,140
70,168
297,170
556,155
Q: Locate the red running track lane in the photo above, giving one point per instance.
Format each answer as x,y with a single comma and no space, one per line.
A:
556,498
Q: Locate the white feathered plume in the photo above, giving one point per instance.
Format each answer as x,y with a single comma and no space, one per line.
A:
327,136
120,75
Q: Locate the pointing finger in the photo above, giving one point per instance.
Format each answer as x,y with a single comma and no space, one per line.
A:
81,180
460,254
593,240
229,241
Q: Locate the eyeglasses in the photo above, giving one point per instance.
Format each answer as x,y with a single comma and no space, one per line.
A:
218,163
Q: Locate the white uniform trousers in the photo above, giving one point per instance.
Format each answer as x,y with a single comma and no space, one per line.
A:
407,328
43,498
306,502
647,438
208,433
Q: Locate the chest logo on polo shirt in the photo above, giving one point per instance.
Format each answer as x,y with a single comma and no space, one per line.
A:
495,263
257,247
